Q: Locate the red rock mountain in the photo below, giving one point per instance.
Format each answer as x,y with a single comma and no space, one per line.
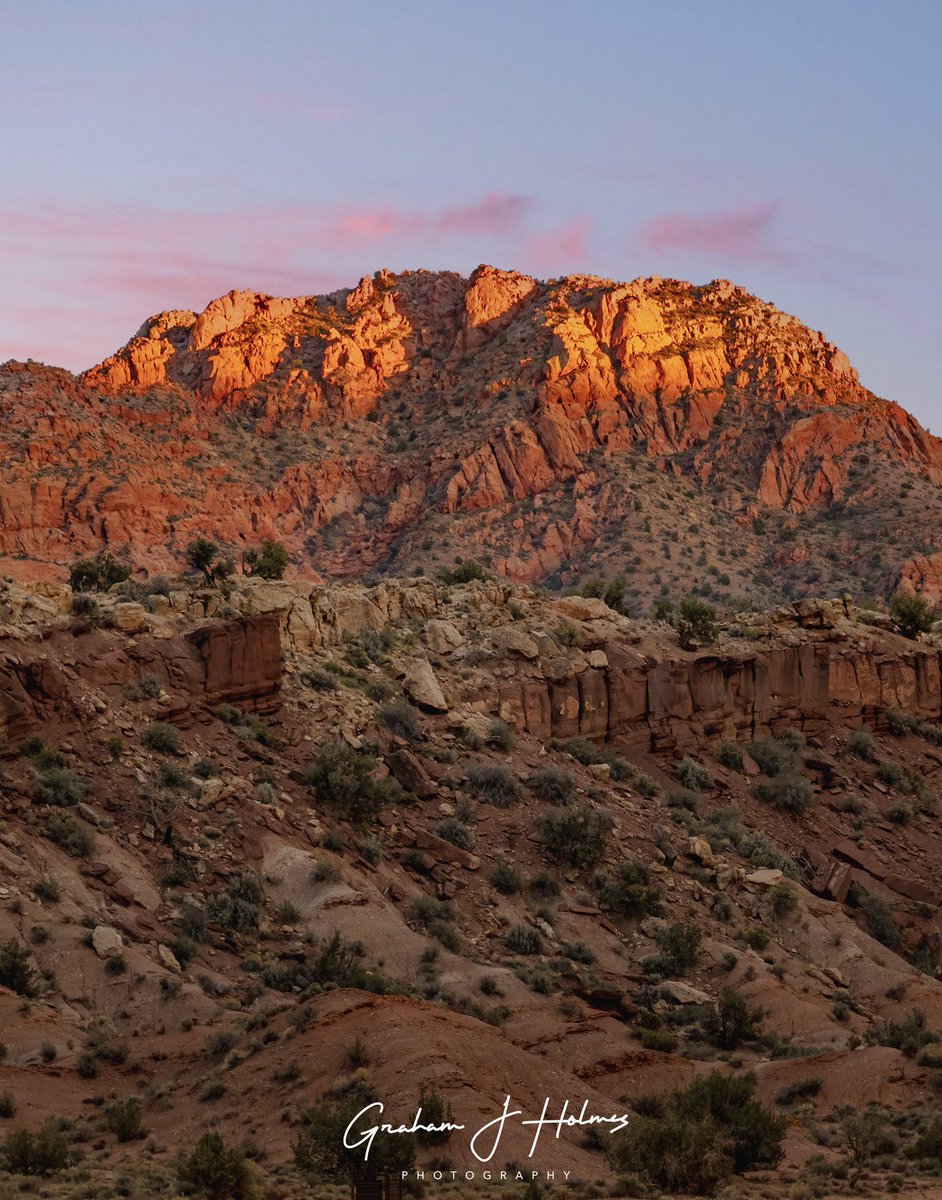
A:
669,433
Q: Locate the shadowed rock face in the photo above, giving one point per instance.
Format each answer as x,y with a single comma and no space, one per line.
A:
557,428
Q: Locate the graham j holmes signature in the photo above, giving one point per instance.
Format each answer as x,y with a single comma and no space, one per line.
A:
485,1141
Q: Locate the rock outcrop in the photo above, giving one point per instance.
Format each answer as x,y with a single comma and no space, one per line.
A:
423,415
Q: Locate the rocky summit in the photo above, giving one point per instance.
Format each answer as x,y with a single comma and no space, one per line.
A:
461,788
669,434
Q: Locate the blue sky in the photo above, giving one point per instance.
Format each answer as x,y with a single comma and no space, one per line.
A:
154,156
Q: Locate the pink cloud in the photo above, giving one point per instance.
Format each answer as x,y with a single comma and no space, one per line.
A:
562,248
743,234
298,104
496,214
105,269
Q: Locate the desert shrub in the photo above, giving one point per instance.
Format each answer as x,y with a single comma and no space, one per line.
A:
730,755
762,852
455,831
582,750
691,774
524,939
204,557
124,1119
47,889
162,737
86,606
402,719
500,735
435,1111
7,1105
207,768
371,848
731,1021
16,973
784,899
578,837
878,917
772,756
553,785
172,775
492,783
216,1172
543,885
899,722
237,907
319,680
97,574
912,615
40,1152
695,622
860,743
908,1035
61,787
628,890
679,943
661,1040
268,562
343,779
801,1089
791,792
319,1152
505,879
73,837
464,571
694,1139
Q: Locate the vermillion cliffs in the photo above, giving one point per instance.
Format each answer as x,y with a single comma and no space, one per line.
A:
669,433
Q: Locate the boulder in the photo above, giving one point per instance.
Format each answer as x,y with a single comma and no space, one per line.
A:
422,686
106,941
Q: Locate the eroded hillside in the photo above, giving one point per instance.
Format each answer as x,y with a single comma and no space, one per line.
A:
652,430
274,841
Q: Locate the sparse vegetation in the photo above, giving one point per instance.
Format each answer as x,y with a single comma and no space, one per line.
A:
578,837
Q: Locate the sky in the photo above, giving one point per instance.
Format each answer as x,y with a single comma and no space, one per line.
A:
157,156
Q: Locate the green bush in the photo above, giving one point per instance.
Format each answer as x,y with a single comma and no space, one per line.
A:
578,837
505,879
162,737
455,831
731,1021
801,1089
493,784
43,1152
791,792
860,743
912,615
730,755
268,562
237,907
435,1111
213,1171
97,574
524,939
627,891
124,1119
553,785
695,622
500,735
878,917
319,1152
204,557
70,834
61,787
16,971
402,719
679,942
7,1105
464,571
692,775
695,1139
772,756
343,779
